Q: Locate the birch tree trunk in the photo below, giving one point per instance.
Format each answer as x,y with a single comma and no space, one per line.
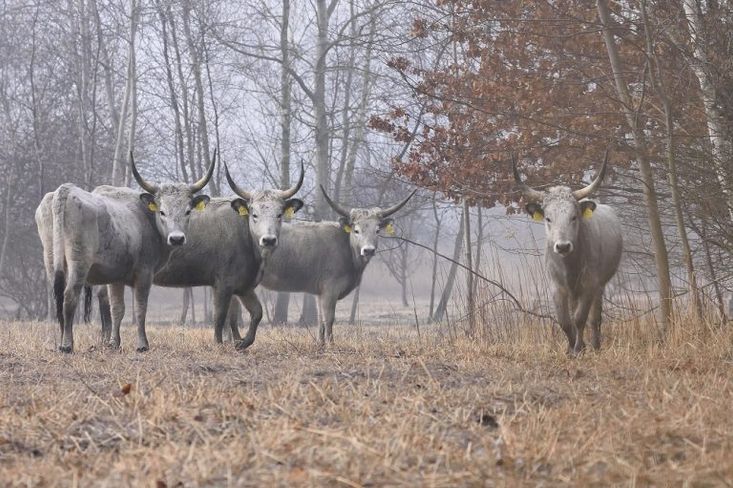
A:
323,167
717,133
650,195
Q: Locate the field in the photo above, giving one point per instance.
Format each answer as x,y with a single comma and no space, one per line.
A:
384,406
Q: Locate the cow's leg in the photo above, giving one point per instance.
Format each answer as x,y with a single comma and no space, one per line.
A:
235,310
104,313
327,312
142,291
254,307
222,299
563,316
116,293
596,313
74,285
580,318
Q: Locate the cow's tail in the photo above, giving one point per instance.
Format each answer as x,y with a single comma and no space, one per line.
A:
87,303
59,280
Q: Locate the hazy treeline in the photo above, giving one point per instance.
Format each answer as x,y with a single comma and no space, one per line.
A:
374,95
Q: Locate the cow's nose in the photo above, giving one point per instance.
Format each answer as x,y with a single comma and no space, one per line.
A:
176,239
268,241
368,251
563,248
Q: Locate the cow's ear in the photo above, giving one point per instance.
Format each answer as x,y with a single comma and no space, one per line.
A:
240,206
149,201
587,207
292,206
345,224
200,202
388,226
535,211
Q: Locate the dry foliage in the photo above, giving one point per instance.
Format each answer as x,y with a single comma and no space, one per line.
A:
384,406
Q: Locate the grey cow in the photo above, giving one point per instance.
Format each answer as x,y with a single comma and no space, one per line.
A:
326,259
113,236
582,253
225,249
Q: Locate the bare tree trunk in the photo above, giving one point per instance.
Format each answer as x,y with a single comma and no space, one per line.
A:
6,223
479,245
309,313
650,195
323,167
719,137
282,301
711,268
199,91
434,274
118,166
658,82
450,281
469,265
354,306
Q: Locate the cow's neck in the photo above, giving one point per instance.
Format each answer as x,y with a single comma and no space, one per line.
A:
359,264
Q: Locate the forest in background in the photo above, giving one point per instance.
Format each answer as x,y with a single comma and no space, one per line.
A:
378,95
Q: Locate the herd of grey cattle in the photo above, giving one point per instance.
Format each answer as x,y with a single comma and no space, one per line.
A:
170,236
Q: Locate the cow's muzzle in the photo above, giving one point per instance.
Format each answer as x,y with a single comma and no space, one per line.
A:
368,251
563,248
268,242
176,239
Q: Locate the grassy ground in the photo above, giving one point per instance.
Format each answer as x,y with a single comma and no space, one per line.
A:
383,406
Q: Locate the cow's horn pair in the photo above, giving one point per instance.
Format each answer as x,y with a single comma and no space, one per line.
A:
284,194
383,214
153,188
535,195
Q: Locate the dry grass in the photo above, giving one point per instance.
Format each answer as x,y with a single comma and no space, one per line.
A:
382,407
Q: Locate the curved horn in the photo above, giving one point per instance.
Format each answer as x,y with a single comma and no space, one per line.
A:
148,187
200,184
529,192
396,206
590,189
242,193
294,189
338,208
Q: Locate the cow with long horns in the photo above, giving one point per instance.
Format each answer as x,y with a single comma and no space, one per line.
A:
114,236
582,252
227,249
326,259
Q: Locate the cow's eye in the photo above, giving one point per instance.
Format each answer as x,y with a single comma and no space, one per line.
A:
575,218
162,214
548,219
356,231
188,212
254,216
279,216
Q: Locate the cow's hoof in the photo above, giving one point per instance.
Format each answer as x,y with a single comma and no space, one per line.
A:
66,349
112,345
142,349
242,345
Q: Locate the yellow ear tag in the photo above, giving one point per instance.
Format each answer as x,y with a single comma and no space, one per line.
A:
152,207
289,213
201,205
389,229
587,213
537,216
243,211
347,228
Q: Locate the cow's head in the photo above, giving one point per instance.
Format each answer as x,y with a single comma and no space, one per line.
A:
365,224
561,209
266,209
172,203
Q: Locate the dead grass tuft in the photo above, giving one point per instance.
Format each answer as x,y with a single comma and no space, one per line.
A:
384,406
